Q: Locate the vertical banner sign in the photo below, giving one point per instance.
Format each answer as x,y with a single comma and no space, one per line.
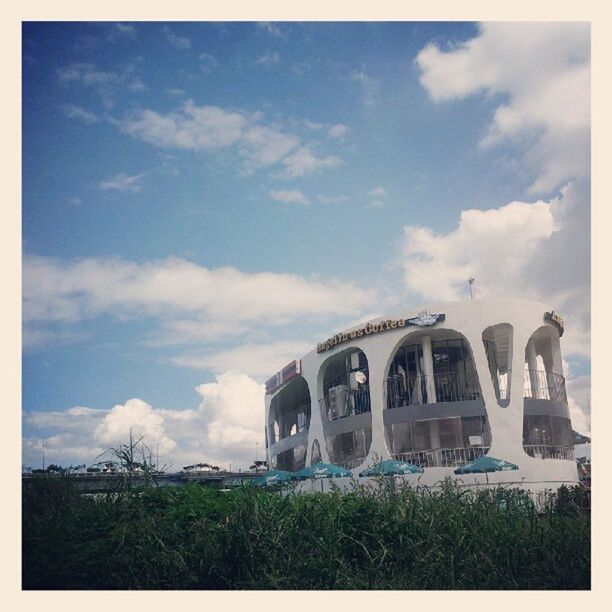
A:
291,370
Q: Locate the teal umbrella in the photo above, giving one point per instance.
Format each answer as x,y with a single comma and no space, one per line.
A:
272,478
484,465
320,471
391,468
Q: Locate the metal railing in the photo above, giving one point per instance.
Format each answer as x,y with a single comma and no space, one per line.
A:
350,464
540,384
443,457
546,451
420,389
354,401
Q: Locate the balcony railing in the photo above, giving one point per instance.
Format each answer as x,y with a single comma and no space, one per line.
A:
420,389
545,451
349,403
540,384
444,457
350,464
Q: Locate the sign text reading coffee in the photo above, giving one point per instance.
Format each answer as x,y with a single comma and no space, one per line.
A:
422,320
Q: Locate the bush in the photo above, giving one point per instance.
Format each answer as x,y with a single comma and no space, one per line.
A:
194,537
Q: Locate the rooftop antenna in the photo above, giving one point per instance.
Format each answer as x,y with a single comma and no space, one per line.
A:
471,282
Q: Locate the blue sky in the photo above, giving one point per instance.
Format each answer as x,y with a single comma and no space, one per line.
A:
172,171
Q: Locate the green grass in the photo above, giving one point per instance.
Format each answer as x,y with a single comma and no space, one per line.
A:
193,537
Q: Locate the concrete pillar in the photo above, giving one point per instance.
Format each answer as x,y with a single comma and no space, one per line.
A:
428,367
532,364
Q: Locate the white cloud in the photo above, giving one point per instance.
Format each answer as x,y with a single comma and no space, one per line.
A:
208,62
376,204
256,360
337,131
268,59
77,112
139,418
495,246
180,42
370,86
578,393
304,161
194,127
272,28
123,182
232,407
211,128
177,290
378,192
535,250
107,84
175,92
225,428
543,72
290,197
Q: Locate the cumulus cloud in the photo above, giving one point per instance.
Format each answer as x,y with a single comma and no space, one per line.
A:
542,70
123,182
540,73
176,289
139,418
223,429
290,197
493,245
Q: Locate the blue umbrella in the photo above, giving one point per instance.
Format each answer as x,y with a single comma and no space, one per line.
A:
484,465
391,467
272,478
320,471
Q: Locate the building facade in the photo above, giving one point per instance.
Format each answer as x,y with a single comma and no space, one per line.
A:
438,387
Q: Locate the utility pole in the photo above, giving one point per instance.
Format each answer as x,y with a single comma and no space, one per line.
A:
471,282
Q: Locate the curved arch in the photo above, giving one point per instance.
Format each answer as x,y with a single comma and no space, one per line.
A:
288,425
498,342
434,413
547,429
344,402
315,452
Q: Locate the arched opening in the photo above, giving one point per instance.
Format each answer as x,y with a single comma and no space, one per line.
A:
288,423
497,340
346,407
434,414
547,428
315,454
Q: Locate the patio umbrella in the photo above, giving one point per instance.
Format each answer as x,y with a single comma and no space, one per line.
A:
320,471
486,464
391,468
272,478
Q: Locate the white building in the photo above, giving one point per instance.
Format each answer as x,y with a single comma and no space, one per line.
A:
438,387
